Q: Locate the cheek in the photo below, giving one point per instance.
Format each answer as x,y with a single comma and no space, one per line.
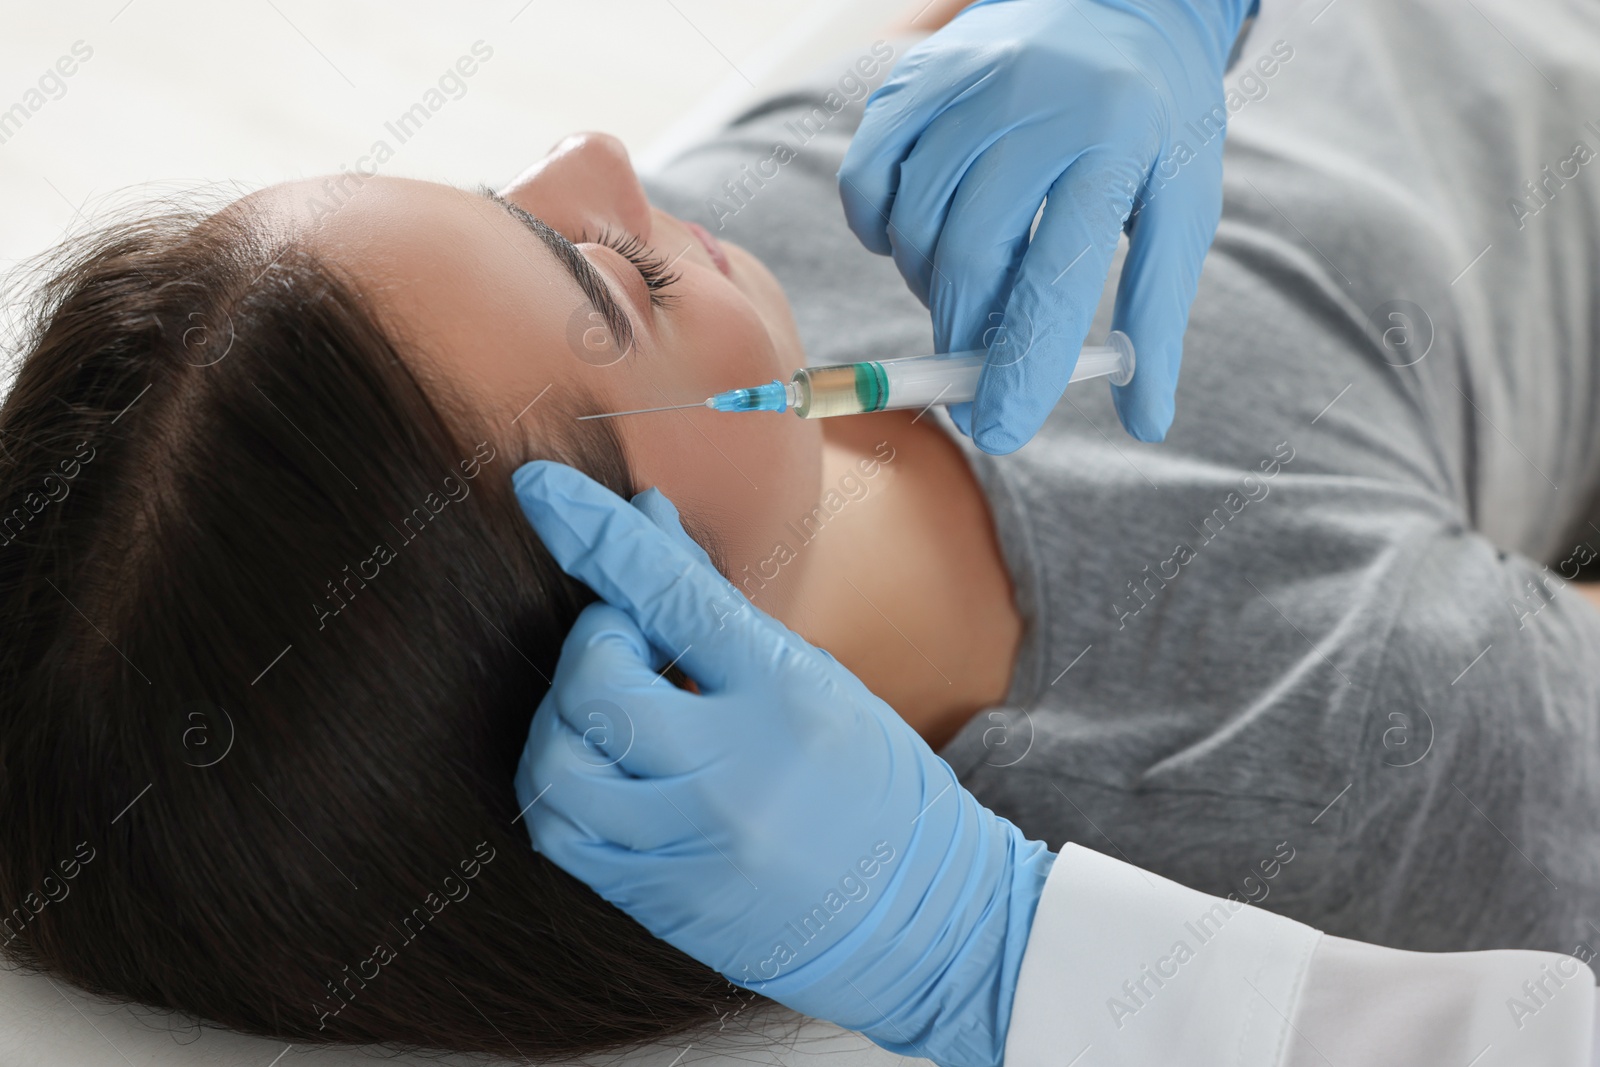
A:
771,306
743,477
715,336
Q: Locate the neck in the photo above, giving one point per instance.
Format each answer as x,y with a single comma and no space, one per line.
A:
904,582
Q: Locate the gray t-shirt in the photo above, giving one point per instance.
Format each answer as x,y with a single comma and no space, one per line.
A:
1305,651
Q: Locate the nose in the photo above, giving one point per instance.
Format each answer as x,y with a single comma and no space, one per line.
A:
585,184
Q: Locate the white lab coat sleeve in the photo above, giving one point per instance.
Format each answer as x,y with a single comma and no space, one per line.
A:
1124,968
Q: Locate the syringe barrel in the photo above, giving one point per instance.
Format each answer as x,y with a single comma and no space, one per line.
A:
918,381
877,385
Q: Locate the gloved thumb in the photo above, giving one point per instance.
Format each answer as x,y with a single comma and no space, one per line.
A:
664,513
1168,241
638,559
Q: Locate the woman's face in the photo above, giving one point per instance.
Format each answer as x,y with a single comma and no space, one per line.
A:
515,310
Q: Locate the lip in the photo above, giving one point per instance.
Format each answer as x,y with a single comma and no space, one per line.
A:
712,247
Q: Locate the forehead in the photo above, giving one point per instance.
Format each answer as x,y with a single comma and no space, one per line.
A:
422,245
459,281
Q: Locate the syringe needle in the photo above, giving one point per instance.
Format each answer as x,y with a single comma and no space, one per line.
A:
641,411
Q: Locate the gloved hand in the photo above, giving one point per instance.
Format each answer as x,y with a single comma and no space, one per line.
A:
1097,104
783,825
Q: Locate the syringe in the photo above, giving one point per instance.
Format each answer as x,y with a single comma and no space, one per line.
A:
880,385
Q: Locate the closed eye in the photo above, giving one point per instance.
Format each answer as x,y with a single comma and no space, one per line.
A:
578,266
655,269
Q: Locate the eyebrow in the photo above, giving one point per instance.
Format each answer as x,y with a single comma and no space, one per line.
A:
578,266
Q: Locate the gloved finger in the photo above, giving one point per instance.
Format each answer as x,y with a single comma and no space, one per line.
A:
1167,247
928,179
954,177
566,801
679,892
961,415
621,711
664,513
983,240
1053,300
683,606
896,114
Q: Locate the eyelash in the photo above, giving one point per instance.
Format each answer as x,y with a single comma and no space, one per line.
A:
654,269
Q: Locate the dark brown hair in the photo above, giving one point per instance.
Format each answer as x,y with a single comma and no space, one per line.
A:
275,630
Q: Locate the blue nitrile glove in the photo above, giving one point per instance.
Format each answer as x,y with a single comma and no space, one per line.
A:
783,826
1097,104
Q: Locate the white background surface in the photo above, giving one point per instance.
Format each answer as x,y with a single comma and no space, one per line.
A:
183,92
